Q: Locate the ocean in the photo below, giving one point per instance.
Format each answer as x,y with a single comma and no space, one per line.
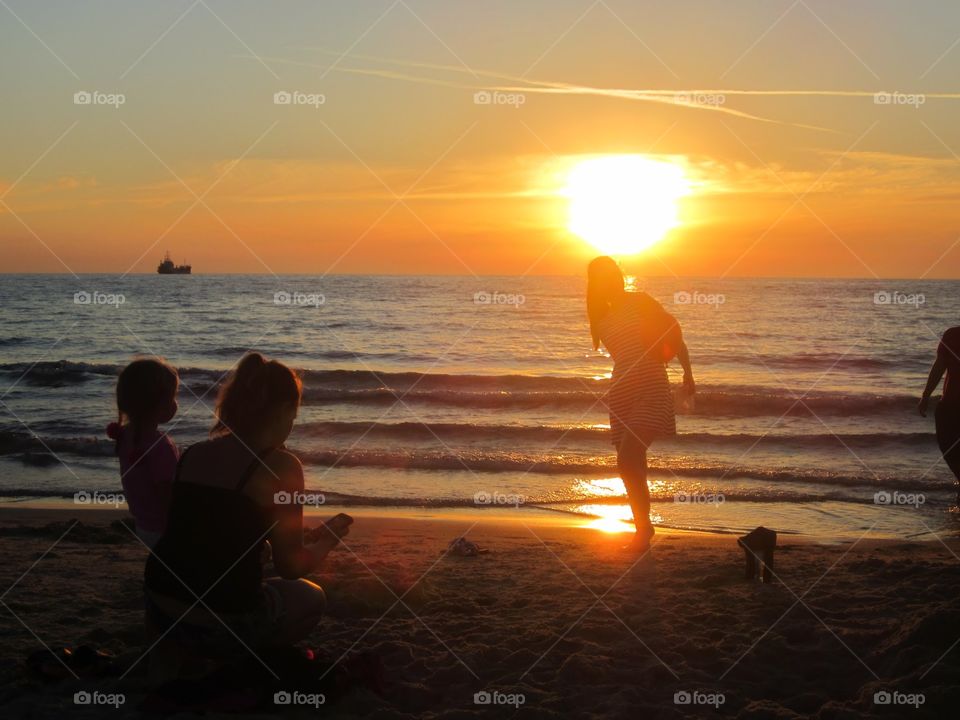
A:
462,392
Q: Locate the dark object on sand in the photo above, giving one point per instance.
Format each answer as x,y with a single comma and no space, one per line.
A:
465,548
270,680
758,546
83,662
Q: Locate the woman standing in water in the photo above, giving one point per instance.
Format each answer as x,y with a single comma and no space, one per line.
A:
641,337
947,415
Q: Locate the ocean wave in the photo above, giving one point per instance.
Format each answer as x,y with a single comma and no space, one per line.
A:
461,439
35,450
814,361
57,373
41,451
570,504
384,396
486,462
510,434
759,403
401,381
237,352
578,394
756,403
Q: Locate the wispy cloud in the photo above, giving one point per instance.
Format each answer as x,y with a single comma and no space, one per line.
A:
518,81
681,97
501,82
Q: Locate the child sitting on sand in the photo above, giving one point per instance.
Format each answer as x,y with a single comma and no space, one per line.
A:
146,398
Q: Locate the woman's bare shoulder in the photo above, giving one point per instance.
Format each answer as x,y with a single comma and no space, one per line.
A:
283,468
283,459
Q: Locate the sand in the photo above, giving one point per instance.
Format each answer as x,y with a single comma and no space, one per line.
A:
555,619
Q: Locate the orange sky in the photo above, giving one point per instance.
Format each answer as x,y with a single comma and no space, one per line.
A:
399,170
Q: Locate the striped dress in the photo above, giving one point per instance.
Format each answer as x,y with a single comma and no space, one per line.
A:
640,398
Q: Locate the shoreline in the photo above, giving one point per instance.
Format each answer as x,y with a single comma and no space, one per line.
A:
27,514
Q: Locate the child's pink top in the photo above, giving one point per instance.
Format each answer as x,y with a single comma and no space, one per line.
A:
147,471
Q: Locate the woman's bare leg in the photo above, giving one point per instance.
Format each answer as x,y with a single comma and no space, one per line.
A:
632,463
303,606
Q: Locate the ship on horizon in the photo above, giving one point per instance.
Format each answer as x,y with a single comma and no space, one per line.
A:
168,268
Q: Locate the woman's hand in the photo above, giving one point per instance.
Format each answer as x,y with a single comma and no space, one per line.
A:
327,536
688,384
937,370
333,529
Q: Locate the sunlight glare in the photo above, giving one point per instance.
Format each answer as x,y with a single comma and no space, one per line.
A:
611,518
624,204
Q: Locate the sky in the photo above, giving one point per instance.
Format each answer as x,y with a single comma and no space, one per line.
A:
386,160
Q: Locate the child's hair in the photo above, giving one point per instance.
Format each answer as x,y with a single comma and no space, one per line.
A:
252,394
141,388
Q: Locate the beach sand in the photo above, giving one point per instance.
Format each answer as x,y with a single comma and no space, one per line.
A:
553,612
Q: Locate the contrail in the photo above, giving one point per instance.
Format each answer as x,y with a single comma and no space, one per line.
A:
650,91
671,97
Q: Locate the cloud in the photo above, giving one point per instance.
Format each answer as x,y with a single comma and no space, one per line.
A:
684,99
910,177
531,178
71,182
460,70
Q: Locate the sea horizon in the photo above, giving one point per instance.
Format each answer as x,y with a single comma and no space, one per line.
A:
582,274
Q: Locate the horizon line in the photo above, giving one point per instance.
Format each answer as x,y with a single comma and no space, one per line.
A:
488,275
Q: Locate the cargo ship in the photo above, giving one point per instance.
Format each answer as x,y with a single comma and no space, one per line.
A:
168,268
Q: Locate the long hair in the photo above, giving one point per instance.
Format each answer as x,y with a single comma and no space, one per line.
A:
604,285
142,387
252,395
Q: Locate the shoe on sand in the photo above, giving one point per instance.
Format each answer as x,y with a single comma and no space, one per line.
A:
464,548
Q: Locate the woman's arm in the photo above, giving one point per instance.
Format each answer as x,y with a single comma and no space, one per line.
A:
933,379
683,355
291,558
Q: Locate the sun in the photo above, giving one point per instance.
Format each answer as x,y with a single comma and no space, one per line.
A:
624,204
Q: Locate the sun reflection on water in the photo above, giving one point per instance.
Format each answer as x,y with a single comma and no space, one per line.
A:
610,517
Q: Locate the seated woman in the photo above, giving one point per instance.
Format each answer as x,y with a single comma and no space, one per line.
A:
204,582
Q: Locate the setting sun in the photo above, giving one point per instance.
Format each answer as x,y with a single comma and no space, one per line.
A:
623,204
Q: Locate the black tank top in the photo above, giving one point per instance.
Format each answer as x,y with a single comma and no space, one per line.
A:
212,545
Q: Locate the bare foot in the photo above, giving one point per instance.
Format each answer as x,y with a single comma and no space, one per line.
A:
640,543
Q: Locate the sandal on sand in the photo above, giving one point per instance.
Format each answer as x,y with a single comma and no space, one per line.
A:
464,548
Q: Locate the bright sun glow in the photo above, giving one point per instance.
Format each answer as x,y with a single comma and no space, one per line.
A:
623,204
